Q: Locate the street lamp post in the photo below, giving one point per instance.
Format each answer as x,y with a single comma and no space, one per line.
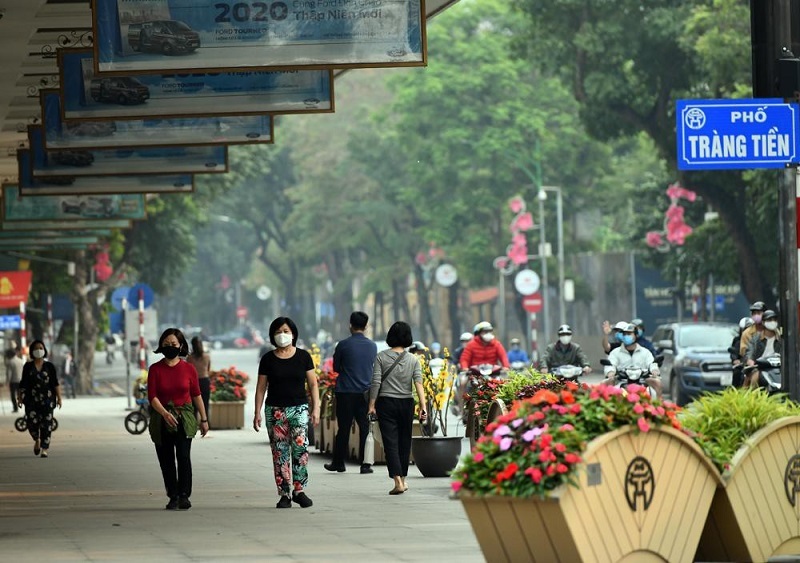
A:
560,225
542,196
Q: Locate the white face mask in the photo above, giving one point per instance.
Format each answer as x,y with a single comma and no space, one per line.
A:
283,339
770,325
487,336
38,353
566,339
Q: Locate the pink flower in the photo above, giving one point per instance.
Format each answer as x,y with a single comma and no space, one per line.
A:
653,239
502,430
506,443
517,423
456,486
566,427
522,222
644,426
632,398
478,457
516,204
638,408
531,434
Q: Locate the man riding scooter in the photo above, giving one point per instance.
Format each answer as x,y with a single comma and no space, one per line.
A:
564,352
631,355
484,348
517,357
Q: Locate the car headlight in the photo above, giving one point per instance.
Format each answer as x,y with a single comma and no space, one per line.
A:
692,363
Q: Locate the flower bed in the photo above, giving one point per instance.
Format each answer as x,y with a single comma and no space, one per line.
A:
228,385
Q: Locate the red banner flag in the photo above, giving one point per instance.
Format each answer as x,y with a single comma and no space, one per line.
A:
14,288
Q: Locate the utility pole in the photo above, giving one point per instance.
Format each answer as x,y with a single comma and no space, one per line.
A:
771,33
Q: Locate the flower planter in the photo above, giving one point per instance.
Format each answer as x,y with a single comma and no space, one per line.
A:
474,428
496,409
755,514
435,456
641,497
226,415
329,429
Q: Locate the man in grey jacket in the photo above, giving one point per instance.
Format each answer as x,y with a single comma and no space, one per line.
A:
14,375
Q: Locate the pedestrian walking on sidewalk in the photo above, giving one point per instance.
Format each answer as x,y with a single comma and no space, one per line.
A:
39,392
14,366
352,360
69,372
393,376
174,394
283,374
201,361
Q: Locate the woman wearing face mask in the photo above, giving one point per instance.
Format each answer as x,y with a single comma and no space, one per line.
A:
283,375
174,394
762,345
39,392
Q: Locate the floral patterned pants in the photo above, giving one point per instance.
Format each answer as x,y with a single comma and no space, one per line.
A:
39,419
287,428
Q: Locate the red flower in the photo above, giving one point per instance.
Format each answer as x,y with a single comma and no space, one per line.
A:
560,448
535,474
545,396
572,458
506,473
561,468
567,398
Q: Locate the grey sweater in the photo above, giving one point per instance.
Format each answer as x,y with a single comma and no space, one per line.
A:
399,383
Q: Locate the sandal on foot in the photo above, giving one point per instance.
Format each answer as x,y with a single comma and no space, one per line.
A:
397,491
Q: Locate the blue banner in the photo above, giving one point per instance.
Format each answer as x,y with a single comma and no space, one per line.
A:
77,135
120,162
736,134
70,208
133,36
85,95
8,322
69,184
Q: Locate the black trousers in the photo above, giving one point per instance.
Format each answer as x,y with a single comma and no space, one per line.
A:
350,406
205,393
13,388
396,420
175,447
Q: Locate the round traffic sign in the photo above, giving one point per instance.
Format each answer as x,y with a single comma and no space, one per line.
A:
263,292
133,295
446,275
532,303
527,282
119,294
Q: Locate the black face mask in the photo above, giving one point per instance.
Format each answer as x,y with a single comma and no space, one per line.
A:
170,352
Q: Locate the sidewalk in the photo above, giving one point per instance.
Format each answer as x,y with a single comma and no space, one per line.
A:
99,497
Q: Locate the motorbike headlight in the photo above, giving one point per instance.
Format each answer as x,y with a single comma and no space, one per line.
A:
692,363
634,373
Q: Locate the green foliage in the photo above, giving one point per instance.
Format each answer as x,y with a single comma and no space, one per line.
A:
519,381
723,421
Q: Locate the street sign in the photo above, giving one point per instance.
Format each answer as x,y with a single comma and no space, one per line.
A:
10,322
532,303
736,134
120,294
241,312
527,282
446,275
263,292
133,295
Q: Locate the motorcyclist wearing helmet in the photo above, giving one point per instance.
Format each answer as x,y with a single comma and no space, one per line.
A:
756,313
483,348
612,336
463,340
417,347
516,354
736,358
436,350
762,345
631,355
641,338
565,352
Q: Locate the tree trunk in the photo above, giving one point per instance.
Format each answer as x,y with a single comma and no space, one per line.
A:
453,313
88,314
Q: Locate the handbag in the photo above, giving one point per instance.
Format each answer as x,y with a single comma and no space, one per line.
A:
385,374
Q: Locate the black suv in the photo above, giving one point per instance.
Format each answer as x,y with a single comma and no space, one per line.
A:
696,358
167,37
123,90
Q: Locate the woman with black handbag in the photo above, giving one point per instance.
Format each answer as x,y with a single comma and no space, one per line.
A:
394,375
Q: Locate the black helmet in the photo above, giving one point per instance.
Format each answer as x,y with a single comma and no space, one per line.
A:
769,314
757,306
564,329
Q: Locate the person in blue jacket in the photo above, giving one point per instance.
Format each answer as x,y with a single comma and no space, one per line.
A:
516,353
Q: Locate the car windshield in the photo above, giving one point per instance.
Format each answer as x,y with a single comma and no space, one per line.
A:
705,336
178,26
130,82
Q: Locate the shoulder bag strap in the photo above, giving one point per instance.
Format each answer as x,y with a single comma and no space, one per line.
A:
385,374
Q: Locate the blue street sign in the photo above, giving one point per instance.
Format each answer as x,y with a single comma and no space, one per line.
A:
736,134
10,321
133,295
120,294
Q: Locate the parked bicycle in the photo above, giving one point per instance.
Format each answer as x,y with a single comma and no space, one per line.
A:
138,421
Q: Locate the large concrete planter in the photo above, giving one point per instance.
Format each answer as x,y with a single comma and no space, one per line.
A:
641,497
226,415
755,514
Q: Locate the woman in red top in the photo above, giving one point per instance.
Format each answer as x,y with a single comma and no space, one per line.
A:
174,393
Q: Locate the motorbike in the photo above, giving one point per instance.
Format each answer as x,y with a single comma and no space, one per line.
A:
137,421
769,373
567,372
472,376
519,366
634,376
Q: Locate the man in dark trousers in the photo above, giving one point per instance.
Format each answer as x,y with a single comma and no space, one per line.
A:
352,360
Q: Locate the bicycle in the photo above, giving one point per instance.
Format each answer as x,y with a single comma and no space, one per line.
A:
22,425
138,421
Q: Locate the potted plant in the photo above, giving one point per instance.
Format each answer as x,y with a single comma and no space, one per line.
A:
586,474
752,437
436,456
326,379
227,397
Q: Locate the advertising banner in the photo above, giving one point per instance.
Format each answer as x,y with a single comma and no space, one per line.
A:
45,234
78,224
89,97
120,162
70,208
69,184
14,288
133,36
181,131
51,243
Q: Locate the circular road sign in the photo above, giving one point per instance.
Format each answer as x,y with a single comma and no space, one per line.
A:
133,295
118,296
527,282
263,292
532,303
446,275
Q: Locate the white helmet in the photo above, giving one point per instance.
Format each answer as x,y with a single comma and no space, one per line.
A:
466,336
745,322
483,325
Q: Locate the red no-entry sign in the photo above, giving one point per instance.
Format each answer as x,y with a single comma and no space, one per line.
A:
532,303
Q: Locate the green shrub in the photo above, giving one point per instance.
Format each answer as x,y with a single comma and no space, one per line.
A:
520,384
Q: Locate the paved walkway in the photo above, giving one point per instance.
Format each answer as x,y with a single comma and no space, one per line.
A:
99,497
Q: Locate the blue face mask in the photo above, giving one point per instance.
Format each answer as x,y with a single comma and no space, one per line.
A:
628,339
619,337
639,332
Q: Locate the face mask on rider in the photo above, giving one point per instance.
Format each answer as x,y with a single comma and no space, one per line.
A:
487,336
283,339
38,353
565,339
770,325
628,339
756,317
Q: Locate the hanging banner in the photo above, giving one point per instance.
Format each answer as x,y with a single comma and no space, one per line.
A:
69,184
89,97
45,234
14,288
54,242
76,135
134,36
69,208
121,162
78,224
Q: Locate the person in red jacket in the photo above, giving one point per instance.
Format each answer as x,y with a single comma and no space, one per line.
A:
483,348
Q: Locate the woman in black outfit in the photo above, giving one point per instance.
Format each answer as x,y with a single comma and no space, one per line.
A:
39,392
